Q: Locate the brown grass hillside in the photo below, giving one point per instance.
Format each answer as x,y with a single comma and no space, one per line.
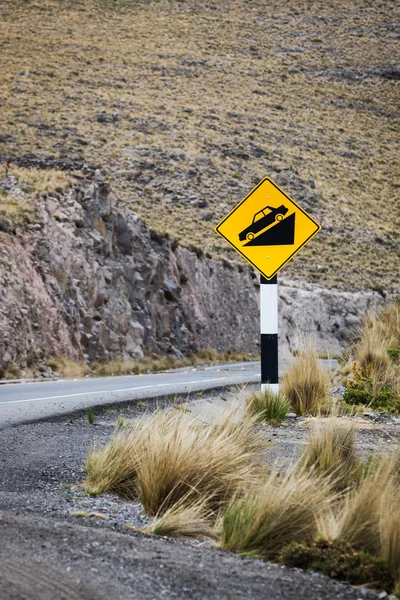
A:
185,105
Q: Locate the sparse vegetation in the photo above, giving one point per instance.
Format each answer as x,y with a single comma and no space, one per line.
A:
282,510
146,140
155,362
68,368
358,520
373,380
306,384
12,371
22,207
166,457
366,518
211,481
389,526
338,560
186,519
330,452
268,406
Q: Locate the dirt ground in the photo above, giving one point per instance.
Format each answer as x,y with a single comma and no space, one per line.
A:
58,542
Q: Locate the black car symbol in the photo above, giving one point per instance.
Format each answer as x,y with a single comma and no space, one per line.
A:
261,220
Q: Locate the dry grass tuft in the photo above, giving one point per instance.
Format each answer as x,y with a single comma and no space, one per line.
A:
284,509
330,452
306,384
166,457
389,528
372,354
40,181
356,519
186,519
208,481
115,466
68,368
269,407
33,183
373,379
198,460
380,334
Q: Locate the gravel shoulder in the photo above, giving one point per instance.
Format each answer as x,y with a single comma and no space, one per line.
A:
59,542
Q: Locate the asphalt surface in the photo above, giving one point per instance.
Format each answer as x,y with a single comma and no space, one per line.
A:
26,402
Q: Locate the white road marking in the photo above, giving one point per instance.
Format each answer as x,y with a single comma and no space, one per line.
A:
116,391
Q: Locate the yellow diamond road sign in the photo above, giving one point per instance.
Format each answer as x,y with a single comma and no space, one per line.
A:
267,228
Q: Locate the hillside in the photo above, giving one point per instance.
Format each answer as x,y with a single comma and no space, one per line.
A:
185,105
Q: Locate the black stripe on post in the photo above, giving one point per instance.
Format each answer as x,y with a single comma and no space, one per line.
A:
264,281
269,358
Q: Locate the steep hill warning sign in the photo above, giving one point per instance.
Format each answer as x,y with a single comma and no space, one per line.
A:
267,228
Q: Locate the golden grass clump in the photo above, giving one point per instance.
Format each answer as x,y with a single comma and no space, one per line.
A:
67,367
372,354
186,519
41,181
284,509
330,452
389,528
357,519
34,183
115,466
206,461
166,457
306,384
379,336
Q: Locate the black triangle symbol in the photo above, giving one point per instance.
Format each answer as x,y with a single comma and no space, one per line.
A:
281,234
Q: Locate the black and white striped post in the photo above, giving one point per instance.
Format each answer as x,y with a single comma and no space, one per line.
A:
269,334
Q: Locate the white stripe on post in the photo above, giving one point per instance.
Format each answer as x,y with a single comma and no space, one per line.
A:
269,334
269,308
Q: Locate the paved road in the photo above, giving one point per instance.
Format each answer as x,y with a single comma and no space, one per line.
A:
26,402
32,401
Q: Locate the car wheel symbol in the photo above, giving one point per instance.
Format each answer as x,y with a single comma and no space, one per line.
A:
250,236
279,217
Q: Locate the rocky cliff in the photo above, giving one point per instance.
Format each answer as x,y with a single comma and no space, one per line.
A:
90,281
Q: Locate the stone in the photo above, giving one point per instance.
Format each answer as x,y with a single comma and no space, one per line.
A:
5,225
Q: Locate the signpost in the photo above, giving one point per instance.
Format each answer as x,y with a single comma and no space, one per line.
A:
268,229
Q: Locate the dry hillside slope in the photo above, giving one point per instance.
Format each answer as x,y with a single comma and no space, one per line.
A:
184,105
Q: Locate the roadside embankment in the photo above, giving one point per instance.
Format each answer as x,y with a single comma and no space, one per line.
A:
88,280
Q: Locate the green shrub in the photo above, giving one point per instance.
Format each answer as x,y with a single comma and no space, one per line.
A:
394,353
356,396
338,560
386,399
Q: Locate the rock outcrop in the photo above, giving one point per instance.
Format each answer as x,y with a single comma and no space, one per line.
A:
90,281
